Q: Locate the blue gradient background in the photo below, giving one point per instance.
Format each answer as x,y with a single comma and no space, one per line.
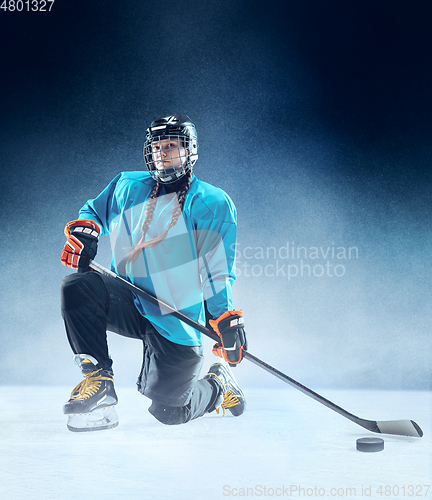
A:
314,116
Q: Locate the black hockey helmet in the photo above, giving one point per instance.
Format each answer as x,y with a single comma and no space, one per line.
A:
177,126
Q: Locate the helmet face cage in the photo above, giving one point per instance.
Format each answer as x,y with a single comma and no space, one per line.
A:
170,148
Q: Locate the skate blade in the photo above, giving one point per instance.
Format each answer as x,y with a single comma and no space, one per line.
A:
97,420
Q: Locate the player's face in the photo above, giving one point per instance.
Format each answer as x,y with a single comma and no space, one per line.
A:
168,153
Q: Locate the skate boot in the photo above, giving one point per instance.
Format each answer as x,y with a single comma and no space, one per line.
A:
232,397
91,405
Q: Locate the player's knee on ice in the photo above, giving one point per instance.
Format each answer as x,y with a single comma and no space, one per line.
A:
170,415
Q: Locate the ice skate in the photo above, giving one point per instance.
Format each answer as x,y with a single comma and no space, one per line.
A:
232,398
91,405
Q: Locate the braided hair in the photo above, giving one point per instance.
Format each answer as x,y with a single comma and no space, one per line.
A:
149,212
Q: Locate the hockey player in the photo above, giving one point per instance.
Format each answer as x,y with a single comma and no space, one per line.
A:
173,236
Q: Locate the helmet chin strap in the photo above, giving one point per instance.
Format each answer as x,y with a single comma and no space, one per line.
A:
171,175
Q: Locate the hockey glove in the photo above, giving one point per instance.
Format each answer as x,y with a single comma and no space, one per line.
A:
81,245
230,328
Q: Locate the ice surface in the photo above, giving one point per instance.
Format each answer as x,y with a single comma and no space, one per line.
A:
284,441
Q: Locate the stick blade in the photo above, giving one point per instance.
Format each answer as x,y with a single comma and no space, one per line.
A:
400,428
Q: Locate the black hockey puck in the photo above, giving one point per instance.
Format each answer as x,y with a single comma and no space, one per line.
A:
370,445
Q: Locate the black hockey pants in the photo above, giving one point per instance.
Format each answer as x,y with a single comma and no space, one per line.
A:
92,303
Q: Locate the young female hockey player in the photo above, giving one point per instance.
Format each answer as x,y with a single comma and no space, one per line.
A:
173,236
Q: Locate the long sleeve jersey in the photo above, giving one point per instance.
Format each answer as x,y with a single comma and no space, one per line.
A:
195,261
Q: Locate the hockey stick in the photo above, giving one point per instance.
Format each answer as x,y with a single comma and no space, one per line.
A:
396,427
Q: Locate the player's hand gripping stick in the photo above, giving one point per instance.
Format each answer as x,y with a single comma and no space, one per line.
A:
81,244
230,329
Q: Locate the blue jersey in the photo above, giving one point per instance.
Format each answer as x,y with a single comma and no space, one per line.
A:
195,261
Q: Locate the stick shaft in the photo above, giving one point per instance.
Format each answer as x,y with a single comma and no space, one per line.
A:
367,424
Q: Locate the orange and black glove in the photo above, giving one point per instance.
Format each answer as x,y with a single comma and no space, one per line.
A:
230,328
81,245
